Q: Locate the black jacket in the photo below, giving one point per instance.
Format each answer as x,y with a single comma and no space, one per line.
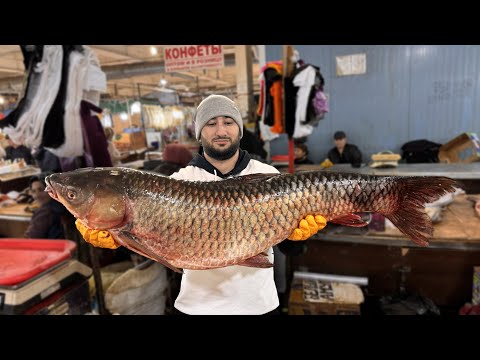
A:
350,155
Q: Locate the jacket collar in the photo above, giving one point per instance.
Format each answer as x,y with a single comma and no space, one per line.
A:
200,162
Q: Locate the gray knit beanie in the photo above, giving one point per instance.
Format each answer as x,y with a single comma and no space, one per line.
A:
213,106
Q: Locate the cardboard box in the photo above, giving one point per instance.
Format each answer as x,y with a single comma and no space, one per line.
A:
476,286
319,297
465,148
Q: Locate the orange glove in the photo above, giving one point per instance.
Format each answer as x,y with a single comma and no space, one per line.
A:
98,238
308,227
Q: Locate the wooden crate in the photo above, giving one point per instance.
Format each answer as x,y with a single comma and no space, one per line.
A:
465,148
316,297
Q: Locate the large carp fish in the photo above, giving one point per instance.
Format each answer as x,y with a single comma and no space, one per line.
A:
206,225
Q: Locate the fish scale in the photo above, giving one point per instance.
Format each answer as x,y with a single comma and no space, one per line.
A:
199,225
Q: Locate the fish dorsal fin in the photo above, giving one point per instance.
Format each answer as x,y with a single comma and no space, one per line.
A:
350,220
251,178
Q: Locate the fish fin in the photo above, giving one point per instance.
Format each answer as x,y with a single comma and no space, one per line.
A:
410,217
131,242
350,220
251,178
258,261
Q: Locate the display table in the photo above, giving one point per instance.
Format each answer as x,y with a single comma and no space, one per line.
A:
17,180
455,171
459,229
14,220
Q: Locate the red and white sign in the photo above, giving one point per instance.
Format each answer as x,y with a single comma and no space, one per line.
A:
187,57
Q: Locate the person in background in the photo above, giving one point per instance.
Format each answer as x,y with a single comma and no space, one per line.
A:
343,152
115,155
46,222
231,290
18,151
175,157
249,142
46,160
301,154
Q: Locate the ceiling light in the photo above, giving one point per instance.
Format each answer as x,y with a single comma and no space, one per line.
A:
153,50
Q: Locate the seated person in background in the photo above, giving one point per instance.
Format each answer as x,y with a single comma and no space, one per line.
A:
301,154
46,220
46,160
344,153
175,157
115,155
17,151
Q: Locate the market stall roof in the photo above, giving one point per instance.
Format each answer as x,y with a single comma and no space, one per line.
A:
134,70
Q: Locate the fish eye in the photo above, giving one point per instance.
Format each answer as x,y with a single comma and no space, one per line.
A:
71,195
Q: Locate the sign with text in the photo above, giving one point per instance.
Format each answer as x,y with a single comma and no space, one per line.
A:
187,57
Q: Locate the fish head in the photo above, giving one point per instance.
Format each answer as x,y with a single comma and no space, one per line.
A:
97,196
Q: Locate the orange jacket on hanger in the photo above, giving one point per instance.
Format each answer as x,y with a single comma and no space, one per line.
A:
277,93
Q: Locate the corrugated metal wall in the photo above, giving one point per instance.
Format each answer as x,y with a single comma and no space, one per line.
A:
409,92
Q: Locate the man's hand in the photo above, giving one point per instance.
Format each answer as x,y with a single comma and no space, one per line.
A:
98,238
308,227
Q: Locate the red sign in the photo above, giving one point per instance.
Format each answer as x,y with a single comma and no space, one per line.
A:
187,57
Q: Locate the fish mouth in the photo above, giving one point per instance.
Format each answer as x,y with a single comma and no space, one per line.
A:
50,190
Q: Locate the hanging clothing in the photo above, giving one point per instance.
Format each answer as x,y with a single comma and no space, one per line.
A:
46,79
276,91
277,67
304,80
96,145
73,145
54,137
31,57
271,98
290,105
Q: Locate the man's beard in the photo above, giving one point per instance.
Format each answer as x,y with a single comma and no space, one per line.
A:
223,154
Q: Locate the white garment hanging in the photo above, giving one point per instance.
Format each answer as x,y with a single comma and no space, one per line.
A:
304,80
29,128
73,145
95,77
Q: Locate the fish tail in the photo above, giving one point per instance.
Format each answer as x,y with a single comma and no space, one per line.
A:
409,217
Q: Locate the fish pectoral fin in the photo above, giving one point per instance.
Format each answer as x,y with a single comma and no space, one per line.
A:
350,220
131,242
258,261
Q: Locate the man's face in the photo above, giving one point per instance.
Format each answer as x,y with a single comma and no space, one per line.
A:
37,190
340,143
220,138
